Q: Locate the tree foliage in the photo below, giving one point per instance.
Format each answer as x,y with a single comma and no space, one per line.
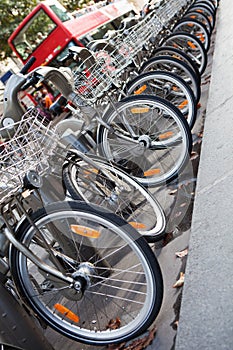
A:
13,12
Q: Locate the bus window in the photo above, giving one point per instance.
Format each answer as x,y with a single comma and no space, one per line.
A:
61,13
32,35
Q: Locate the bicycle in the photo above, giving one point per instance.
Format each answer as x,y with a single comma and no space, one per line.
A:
71,262
89,177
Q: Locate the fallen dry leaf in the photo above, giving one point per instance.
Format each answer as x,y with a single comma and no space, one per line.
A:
175,325
177,214
114,324
182,253
183,204
194,155
180,281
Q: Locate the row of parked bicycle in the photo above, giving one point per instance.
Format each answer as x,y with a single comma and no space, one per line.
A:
83,265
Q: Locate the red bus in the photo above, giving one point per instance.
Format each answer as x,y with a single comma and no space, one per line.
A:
49,30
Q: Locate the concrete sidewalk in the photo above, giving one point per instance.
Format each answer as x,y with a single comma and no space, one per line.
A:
206,316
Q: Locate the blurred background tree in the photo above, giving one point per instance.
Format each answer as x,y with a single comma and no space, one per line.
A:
11,14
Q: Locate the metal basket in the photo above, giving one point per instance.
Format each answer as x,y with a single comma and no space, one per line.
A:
105,64
28,147
170,9
132,40
95,79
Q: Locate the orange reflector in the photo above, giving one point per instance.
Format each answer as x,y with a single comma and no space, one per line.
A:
165,135
193,16
88,172
85,231
140,110
137,225
190,24
140,90
175,45
183,104
175,88
190,44
152,172
198,10
201,36
66,312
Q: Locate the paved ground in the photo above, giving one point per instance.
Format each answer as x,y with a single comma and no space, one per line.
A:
207,308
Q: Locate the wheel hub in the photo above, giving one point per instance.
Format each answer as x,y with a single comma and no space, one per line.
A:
144,141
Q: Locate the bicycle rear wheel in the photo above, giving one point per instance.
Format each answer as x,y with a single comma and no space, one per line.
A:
148,136
117,290
112,188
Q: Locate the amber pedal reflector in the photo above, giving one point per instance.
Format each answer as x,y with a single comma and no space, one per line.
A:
152,172
140,90
66,312
85,231
177,57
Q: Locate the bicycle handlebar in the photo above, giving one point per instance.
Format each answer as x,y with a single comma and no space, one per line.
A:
28,65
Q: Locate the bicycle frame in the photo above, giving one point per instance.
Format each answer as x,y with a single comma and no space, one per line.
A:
9,233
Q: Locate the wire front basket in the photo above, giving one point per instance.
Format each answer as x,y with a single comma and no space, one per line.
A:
28,146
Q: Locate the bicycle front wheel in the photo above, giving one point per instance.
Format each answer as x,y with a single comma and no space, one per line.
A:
191,45
148,136
176,66
169,86
117,290
110,187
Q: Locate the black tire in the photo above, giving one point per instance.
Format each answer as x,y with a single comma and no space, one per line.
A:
201,17
206,10
114,267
